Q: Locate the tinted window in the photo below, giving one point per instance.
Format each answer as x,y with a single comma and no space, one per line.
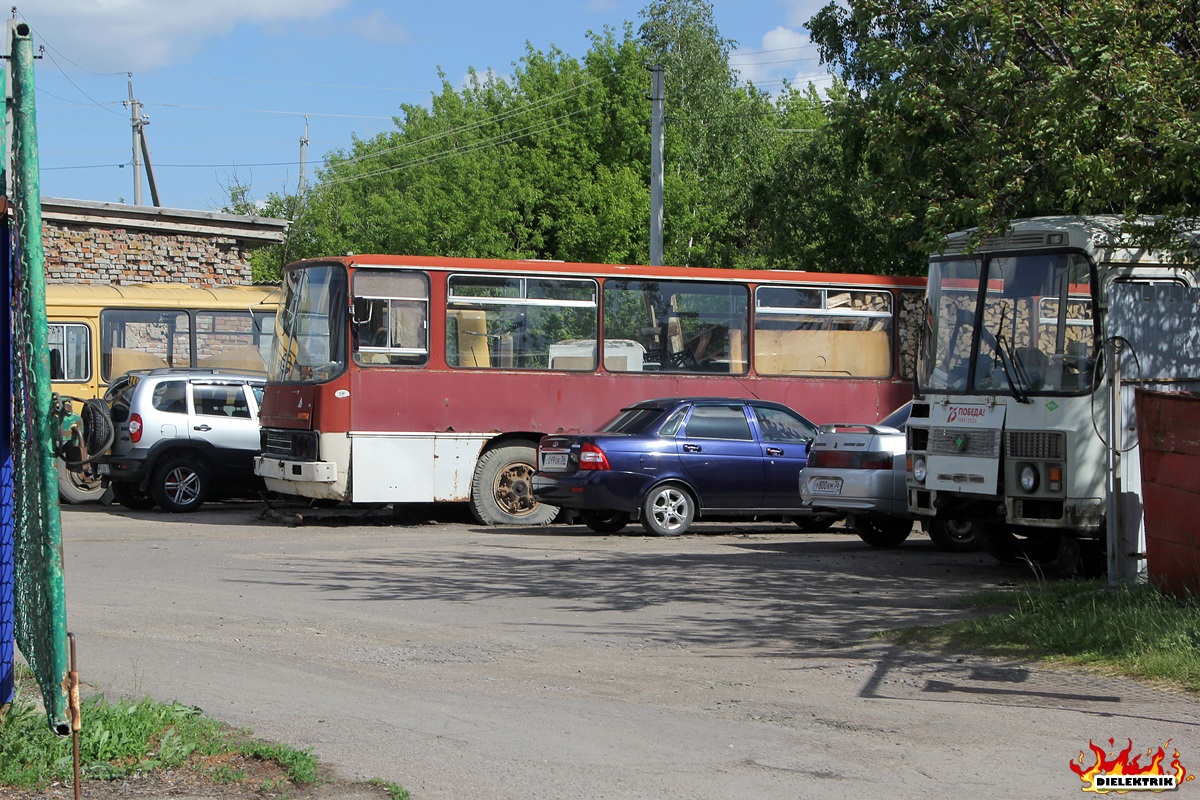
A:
633,420
898,418
780,425
718,422
170,396
220,401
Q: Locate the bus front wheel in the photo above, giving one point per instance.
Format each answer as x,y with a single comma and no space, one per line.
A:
502,491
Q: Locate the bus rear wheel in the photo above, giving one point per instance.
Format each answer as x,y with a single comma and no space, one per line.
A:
502,491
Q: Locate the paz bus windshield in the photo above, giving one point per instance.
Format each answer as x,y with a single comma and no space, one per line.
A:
1009,325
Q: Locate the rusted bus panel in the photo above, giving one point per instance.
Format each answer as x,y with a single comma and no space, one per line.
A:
1169,433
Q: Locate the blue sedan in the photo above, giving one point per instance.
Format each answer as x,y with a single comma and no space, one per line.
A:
671,460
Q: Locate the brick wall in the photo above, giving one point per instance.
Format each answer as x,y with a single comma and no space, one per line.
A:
88,242
87,254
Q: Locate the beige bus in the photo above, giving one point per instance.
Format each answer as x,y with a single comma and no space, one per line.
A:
98,332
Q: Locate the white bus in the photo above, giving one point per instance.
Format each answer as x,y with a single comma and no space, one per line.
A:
1012,425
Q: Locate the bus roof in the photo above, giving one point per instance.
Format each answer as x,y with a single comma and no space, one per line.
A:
571,268
161,295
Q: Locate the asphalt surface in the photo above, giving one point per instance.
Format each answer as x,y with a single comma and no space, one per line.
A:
740,662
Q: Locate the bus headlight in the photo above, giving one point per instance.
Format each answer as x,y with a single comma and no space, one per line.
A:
918,470
1028,477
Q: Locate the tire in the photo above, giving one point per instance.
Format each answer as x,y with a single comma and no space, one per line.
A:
814,524
180,484
954,535
1006,546
73,488
668,510
502,489
883,531
130,496
604,521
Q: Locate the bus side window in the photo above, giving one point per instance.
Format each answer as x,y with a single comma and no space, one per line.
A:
391,318
70,352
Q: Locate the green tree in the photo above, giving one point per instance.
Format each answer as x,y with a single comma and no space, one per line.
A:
719,137
816,209
973,112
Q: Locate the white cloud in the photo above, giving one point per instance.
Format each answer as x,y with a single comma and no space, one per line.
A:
379,27
142,35
782,52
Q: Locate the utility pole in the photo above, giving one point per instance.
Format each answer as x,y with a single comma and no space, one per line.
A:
656,165
135,120
303,158
141,150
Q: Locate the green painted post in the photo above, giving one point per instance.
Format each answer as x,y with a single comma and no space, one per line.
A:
27,207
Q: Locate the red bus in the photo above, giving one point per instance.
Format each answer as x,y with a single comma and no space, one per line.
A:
404,379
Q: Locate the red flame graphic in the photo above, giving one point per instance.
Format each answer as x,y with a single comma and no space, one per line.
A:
1123,764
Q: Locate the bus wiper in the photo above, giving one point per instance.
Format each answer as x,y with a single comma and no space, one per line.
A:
1007,363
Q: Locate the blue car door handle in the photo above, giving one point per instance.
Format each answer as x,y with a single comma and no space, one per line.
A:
691,448
774,451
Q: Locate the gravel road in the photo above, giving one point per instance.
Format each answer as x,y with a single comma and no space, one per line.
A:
739,662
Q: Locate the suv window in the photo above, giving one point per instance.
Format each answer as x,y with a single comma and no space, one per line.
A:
220,401
170,396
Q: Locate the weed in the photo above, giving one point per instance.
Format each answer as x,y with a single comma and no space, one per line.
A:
1134,631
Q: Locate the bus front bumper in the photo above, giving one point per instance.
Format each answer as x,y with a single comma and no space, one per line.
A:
285,470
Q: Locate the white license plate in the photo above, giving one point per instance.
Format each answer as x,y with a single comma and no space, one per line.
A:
100,469
826,486
554,460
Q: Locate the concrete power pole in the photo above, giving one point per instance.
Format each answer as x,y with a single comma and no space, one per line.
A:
656,165
141,150
135,121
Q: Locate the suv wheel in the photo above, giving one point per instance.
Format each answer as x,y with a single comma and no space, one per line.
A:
180,483
130,496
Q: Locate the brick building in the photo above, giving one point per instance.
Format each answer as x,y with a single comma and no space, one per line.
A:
91,242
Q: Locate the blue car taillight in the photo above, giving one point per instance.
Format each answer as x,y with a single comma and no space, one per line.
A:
592,457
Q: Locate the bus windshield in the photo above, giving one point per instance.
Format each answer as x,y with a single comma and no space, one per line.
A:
309,347
1034,334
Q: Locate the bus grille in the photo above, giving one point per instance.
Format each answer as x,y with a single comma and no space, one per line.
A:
945,442
1035,444
289,444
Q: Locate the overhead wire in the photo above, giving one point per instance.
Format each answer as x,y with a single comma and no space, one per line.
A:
495,141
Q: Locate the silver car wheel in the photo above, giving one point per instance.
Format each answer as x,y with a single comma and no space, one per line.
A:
668,511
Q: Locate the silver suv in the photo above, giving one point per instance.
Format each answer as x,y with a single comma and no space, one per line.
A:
182,435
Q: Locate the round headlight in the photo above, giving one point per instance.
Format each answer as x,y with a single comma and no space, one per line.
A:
919,470
1029,477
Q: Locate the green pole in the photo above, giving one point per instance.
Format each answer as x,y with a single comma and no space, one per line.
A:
27,209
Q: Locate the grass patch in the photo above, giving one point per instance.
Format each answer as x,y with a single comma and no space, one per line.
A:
1134,631
130,737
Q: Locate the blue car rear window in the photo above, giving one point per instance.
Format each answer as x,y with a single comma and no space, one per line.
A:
633,420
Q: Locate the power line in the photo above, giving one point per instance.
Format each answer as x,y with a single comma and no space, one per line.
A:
78,89
268,111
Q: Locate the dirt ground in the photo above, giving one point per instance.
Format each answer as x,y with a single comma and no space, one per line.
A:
741,662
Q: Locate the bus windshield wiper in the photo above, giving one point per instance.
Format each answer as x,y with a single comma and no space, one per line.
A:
1007,363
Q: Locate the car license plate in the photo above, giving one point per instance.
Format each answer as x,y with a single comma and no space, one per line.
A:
100,469
826,486
554,460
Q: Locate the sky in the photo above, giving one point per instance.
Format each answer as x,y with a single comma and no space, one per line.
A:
228,86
